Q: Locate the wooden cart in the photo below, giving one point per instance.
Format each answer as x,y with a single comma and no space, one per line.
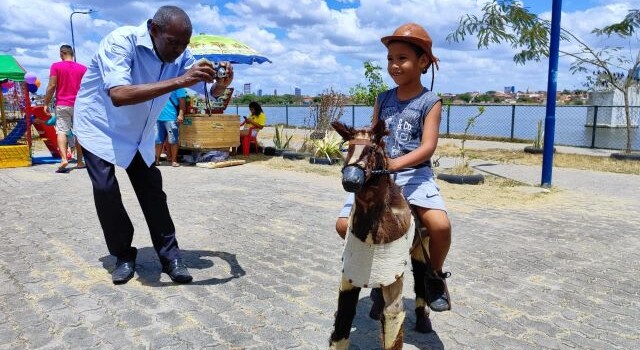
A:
201,132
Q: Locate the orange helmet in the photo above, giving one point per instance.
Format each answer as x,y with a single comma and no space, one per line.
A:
413,33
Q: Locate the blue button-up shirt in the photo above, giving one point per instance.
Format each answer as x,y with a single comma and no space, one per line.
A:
115,134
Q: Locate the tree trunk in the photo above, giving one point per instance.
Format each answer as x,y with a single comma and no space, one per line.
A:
627,113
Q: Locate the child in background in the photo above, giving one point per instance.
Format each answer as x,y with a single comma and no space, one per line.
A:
256,120
168,125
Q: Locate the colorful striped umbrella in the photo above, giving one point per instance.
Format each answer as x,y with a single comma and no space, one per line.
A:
219,48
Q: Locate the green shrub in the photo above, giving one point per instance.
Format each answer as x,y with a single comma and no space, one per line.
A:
328,146
280,138
538,142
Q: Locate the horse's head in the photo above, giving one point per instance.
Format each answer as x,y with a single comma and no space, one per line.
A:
365,155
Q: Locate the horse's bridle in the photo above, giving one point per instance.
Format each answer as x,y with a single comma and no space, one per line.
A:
354,175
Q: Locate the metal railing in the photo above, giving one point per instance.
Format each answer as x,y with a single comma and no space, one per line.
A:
574,124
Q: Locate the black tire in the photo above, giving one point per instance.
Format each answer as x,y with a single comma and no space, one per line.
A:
534,150
323,161
292,155
474,179
626,156
269,151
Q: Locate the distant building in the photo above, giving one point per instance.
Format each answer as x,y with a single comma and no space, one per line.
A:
247,88
509,89
275,92
259,92
298,92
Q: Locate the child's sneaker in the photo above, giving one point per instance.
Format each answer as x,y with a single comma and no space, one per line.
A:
437,291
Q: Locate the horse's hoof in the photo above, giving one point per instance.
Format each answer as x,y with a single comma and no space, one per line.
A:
423,323
342,344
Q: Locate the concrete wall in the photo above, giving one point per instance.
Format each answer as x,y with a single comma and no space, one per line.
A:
613,117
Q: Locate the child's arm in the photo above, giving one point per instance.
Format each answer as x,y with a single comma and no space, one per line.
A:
430,133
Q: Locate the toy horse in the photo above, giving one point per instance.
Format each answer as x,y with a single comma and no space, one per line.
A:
379,237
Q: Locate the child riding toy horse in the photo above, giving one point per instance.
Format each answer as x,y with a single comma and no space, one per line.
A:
379,238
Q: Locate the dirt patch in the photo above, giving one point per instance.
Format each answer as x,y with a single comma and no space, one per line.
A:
495,192
562,160
498,193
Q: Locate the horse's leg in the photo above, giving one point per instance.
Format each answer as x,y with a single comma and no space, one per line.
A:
419,269
377,303
393,316
347,301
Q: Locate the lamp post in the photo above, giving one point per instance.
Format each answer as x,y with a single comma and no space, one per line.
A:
73,42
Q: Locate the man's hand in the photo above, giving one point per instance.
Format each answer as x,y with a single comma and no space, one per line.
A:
180,119
226,81
46,110
222,83
201,71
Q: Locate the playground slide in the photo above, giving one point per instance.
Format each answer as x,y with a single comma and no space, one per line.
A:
47,132
15,134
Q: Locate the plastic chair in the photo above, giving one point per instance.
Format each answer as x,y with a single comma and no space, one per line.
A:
247,140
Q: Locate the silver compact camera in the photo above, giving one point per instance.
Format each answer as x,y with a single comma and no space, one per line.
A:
220,70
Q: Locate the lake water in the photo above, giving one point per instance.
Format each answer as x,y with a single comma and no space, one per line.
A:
497,121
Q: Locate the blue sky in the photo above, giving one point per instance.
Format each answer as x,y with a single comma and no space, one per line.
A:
314,44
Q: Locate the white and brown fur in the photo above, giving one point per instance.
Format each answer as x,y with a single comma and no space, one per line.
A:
380,215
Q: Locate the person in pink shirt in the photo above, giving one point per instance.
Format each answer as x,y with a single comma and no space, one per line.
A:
64,81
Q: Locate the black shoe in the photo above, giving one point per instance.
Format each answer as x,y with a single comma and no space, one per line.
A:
423,323
377,303
123,272
177,270
437,291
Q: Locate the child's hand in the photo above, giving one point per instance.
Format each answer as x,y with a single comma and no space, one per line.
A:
392,164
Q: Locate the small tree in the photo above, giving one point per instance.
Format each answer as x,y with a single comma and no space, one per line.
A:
361,94
471,122
329,108
538,141
506,21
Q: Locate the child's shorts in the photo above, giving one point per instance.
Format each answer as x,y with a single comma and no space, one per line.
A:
167,130
418,187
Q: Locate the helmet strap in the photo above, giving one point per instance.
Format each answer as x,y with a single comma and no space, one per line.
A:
433,76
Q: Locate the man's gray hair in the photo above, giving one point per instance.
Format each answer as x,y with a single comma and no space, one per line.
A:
168,14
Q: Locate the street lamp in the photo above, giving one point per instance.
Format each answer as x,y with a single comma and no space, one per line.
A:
73,42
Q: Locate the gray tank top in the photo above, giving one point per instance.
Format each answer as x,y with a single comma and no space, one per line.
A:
405,121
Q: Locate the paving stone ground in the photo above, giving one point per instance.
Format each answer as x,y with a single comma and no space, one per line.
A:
261,246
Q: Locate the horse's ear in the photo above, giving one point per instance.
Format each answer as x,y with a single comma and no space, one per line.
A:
378,130
343,130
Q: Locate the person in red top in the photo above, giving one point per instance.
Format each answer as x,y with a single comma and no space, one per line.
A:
64,81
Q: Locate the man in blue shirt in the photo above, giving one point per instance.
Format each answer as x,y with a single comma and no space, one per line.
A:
121,95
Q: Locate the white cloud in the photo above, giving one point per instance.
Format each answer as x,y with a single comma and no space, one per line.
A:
312,45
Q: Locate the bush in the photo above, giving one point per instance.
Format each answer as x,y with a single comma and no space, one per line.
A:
280,139
328,147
